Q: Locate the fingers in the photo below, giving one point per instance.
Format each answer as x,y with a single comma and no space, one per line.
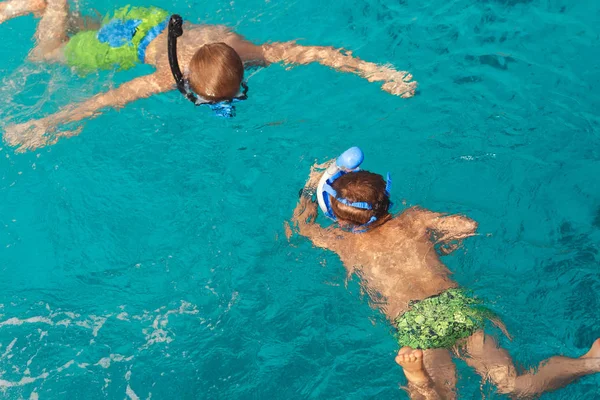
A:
322,166
27,136
402,89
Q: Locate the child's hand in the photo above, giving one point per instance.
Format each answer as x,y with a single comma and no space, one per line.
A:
316,171
399,83
27,136
33,135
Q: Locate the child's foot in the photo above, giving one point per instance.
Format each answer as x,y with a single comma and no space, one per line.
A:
594,350
412,362
16,8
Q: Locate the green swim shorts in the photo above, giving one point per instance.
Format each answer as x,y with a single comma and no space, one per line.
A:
441,321
120,42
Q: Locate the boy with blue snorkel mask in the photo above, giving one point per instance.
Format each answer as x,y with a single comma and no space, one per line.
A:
213,58
395,256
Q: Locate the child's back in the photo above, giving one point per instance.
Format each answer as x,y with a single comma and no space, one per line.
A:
397,262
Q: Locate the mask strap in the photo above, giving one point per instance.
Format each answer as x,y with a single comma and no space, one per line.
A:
388,184
329,190
359,204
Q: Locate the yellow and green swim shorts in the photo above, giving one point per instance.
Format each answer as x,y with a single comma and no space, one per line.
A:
120,42
441,321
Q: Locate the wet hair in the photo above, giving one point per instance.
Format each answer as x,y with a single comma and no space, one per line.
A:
216,72
361,186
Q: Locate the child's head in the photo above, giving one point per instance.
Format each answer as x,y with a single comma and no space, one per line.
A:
216,72
361,186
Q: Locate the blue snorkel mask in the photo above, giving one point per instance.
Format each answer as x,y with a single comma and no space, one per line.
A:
348,162
224,109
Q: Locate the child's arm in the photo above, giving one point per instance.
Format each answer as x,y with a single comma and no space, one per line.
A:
447,227
35,134
396,82
306,212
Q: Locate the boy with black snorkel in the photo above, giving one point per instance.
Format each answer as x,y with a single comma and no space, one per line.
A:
214,58
396,259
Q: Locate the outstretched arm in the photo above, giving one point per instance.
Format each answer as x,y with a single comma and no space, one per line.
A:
396,82
38,133
445,227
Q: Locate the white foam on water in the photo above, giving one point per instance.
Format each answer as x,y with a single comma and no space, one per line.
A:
64,322
129,391
156,336
26,380
98,323
475,158
158,332
42,334
83,324
154,326
32,320
93,322
105,362
8,349
67,365
233,300
123,316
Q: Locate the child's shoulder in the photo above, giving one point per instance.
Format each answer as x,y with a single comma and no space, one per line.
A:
414,217
412,213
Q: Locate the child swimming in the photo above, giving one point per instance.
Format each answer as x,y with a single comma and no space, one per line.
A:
396,259
214,57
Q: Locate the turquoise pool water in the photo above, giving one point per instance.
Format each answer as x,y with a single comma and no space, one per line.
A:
146,258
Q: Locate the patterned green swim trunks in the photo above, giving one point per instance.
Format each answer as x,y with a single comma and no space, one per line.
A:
120,42
441,321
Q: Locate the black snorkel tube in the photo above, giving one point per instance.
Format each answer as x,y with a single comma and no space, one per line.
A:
175,31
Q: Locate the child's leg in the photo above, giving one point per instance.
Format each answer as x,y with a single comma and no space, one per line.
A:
494,363
77,22
431,374
442,370
16,8
51,33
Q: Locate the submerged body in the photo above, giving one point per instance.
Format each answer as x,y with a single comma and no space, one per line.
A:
399,267
53,45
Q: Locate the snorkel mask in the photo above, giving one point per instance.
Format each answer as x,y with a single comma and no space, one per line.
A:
348,162
224,109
